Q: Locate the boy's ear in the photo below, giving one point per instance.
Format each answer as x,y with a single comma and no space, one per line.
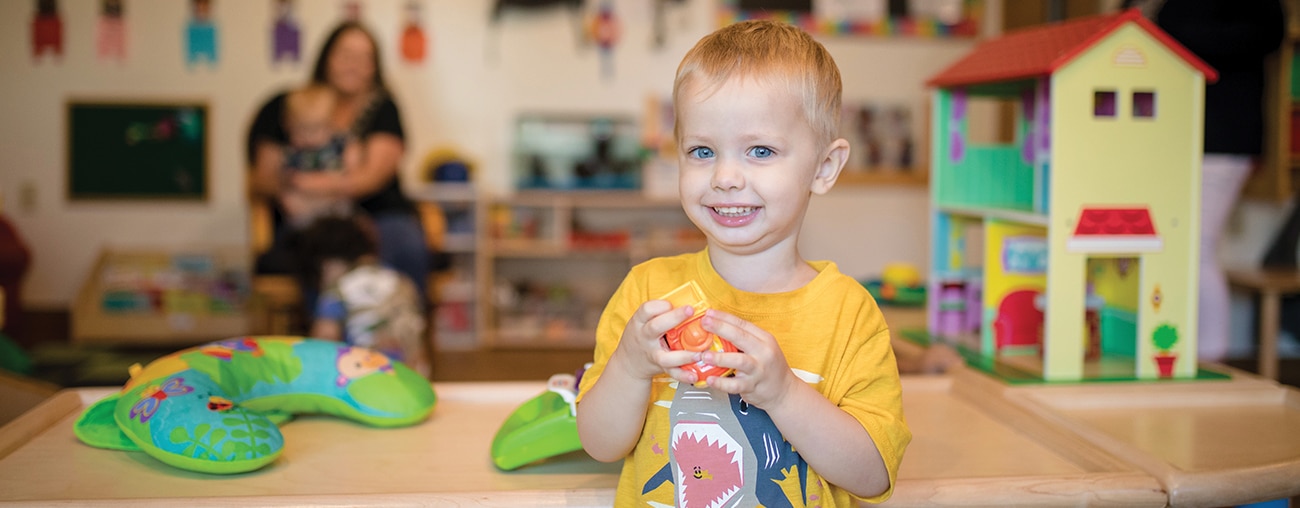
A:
828,171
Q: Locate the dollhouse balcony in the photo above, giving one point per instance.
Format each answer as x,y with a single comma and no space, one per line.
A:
987,177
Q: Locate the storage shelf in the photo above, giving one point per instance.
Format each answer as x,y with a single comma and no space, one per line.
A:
1030,218
546,250
856,177
586,199
580,243
459,243
445,192
536,339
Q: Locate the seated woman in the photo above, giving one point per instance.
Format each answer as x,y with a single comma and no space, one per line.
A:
349,63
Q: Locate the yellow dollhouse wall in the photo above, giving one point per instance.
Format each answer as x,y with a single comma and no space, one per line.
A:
1126,162
1000,280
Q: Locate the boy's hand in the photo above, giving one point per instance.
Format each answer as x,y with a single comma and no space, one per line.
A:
763,377
642,351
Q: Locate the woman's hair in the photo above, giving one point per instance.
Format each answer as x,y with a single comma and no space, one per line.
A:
775,53
320,73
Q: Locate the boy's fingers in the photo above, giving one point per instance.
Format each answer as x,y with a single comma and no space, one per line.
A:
725,384
675,359
732,328
669,318
651,309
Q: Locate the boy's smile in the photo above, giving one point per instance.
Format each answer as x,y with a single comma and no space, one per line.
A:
749,161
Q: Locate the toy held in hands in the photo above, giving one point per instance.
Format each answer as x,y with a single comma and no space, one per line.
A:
691,336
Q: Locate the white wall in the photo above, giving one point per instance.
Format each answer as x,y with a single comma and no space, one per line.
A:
466,94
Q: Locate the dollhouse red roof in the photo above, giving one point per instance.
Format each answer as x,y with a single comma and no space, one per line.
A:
1041,50
1115,230
1114,222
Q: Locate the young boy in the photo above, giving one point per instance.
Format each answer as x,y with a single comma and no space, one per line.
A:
813,414
313,146
362,302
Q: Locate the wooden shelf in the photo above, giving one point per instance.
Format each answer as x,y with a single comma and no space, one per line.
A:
586,199
538,339
882,177
549,258
445,192
1034,219
541,249
1275,179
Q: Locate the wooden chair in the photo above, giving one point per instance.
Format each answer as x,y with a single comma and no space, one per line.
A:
1271,284
276,297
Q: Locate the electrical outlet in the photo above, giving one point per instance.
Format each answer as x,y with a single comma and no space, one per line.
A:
27,197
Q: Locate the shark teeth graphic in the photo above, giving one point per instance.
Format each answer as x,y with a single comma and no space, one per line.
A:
710,465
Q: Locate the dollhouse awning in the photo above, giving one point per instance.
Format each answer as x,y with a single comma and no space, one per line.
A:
1114,231
1041,50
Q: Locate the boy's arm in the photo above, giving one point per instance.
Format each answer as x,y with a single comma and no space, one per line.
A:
832,441
612,413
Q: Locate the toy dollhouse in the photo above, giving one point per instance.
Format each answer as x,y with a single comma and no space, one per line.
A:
1071,253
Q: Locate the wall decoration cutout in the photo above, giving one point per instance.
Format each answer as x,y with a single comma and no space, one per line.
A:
47,30
604,30
286,37
660,21
351,10
887,18
201,34
110,31
413,41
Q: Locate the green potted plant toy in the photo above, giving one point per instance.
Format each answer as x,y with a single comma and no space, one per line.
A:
1164,338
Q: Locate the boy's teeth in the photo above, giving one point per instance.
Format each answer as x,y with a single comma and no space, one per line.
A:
733,210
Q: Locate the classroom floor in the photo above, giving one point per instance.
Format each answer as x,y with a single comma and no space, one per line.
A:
46,335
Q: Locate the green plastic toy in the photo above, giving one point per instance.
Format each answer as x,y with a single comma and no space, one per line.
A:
217,408
542,427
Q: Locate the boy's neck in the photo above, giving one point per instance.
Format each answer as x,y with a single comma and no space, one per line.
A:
770,271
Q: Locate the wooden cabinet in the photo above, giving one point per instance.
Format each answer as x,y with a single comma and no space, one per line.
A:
534,270
555,257
1278,175
453,216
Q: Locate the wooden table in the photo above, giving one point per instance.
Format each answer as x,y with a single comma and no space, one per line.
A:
1209,443
1272,285
976,442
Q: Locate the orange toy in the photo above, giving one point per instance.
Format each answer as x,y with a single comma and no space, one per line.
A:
691,336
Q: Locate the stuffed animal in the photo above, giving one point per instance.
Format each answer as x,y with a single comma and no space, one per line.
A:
215,408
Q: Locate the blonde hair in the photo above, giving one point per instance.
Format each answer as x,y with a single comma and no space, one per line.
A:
776,52
311,102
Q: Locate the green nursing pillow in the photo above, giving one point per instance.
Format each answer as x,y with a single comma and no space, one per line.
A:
215,408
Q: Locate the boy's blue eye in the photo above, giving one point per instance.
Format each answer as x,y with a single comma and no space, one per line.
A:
701,152
761,152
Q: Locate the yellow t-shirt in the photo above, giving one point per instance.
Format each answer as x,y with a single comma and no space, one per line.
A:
699,445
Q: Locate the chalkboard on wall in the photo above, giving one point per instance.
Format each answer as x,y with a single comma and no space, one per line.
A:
119,150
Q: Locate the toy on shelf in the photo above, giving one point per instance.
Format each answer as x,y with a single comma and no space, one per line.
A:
899,284
1071,253
215,408
542,427
691,336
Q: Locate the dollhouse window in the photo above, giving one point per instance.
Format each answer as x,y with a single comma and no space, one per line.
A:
1103,104
1144,104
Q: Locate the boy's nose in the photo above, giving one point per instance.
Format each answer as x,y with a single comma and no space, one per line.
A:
727,175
